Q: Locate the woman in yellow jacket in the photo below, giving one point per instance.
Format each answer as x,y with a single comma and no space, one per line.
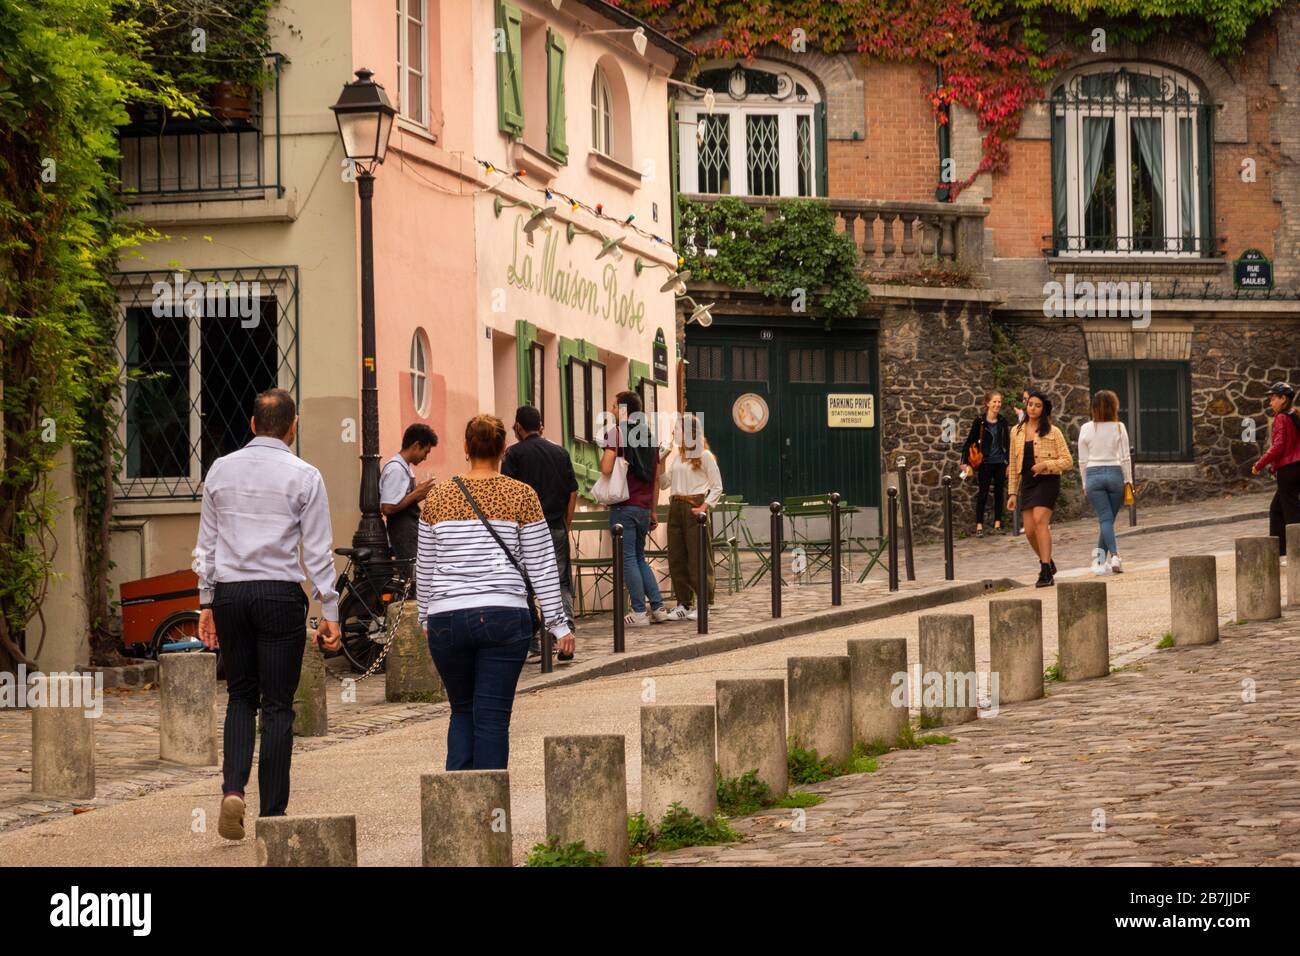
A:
1039,456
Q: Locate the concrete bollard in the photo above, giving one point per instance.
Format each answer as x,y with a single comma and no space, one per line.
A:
307,841
948,683
465,818
1082,630
821,715
310,710
678,760
1293,565
187,720
1016,649
1259,582
586,793
1193,599
63,736
409,674
751,731
874,663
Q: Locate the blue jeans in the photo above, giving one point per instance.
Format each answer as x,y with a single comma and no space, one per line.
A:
1105,490
479,653
637,575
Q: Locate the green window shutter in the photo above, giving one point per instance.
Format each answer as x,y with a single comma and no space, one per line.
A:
585,455
1205,138
525,336
1059,213
556,145
819,144
510,72
673,164
636,371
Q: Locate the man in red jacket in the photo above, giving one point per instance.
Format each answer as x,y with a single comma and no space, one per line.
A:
1283,457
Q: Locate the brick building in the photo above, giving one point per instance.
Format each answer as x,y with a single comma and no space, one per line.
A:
1024,279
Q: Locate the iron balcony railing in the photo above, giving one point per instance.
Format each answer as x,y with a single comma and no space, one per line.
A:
167,159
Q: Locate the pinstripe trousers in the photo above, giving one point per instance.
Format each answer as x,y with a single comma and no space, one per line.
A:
261,630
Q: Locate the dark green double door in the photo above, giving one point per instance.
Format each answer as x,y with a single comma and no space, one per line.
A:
762,394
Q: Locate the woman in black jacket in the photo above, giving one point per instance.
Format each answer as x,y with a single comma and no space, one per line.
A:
991,434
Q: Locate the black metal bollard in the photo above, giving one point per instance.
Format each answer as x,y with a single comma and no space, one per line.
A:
892,528
702,575
905,516
620,644
949,572
1133,508
837,597
777,543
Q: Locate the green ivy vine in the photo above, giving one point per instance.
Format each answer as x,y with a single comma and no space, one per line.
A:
793,254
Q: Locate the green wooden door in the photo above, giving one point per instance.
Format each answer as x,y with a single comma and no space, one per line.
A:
763,398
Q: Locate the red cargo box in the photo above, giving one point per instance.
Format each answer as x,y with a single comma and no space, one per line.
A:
166,599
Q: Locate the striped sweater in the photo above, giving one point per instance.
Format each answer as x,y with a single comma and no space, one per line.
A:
460,564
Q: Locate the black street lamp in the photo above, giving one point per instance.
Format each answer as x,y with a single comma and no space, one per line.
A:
365,119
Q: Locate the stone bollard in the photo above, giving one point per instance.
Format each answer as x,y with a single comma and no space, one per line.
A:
821,715
875,666
310,711
1016,650
307,841
63,735
751,731
948,683
187,696
586,793
409,674
1193,599
465,818
1259,582
1082,630
1293,565
678,760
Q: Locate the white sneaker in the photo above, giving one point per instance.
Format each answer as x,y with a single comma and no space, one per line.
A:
659,615
637,619
692,615
1101,568
680,613
1116,565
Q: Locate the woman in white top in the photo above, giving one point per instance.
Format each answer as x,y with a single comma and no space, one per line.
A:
1105,467
690,470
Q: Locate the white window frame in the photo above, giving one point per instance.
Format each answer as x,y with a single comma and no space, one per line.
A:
420,372
157,487
1122,111
413,11
691,112
602,114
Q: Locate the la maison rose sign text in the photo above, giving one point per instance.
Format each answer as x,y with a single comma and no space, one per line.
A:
571,286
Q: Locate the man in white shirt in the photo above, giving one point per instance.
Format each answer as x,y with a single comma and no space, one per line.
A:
260,504
400,497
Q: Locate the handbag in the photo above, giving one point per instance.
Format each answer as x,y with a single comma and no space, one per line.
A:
533,614
611,489
975,453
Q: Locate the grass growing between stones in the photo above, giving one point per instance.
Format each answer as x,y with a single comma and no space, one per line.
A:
926,722
555,853
1052,672
807,766
1166,640
746,794
679,828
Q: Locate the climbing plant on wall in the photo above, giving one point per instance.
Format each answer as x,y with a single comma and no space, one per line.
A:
993,54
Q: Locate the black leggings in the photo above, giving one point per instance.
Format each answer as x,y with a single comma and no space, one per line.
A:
1285,509
997,476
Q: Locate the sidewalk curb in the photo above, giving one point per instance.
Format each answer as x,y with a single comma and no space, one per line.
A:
1188,523
781,629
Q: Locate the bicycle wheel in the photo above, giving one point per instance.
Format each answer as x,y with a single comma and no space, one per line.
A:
181,626
363,634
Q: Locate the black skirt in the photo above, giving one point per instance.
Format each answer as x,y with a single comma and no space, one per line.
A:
1036,491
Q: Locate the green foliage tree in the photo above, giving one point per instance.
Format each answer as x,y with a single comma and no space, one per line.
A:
66,71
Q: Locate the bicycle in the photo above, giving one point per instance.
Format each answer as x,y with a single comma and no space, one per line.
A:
366,588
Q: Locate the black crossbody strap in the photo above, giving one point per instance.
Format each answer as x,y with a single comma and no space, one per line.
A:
528,585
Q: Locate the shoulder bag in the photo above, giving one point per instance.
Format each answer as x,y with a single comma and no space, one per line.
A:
533,614
975,453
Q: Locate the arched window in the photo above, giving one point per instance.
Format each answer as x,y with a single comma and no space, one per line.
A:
1130,163
602,114
420,372
762,137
